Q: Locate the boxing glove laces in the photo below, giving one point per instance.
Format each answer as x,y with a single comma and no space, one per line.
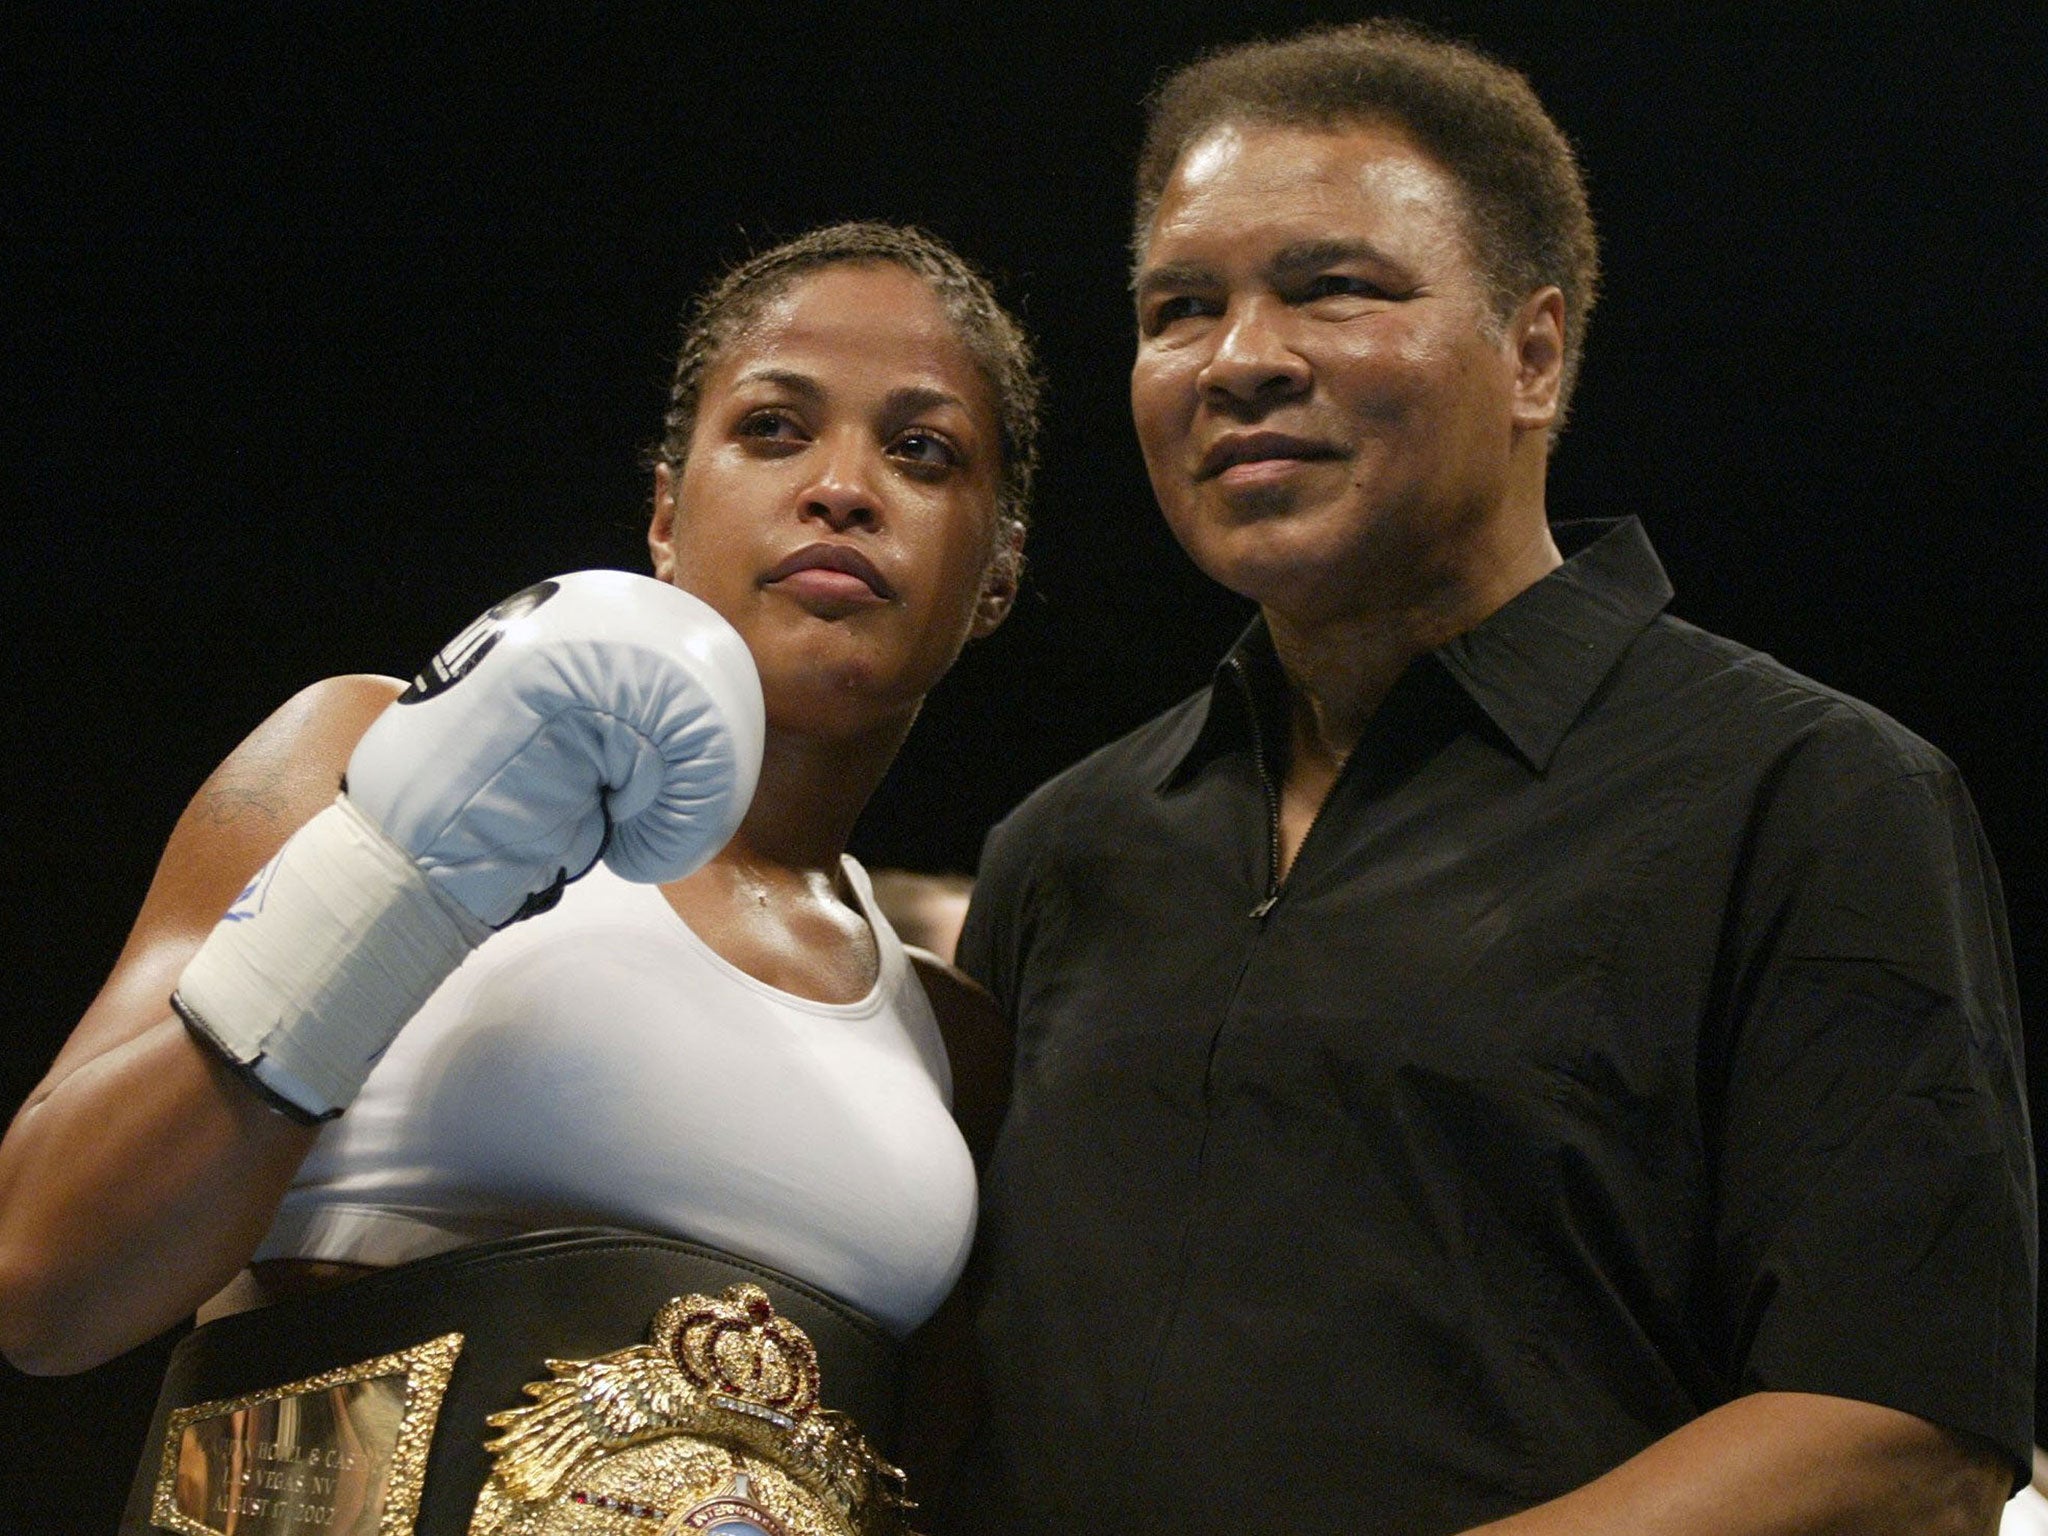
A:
598,714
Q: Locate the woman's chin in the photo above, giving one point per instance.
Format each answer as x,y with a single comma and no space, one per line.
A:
842,704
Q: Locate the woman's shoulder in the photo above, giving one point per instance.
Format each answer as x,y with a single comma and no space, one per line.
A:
309,736
332,713
283,772
279,776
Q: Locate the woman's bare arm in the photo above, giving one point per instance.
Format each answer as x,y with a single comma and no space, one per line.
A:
140,1174
978,1046
942,1394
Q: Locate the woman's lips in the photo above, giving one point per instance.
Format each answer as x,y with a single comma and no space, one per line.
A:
837,572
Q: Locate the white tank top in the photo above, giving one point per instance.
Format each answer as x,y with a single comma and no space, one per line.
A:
601,1064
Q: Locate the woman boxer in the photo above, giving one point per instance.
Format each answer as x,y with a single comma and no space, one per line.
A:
741,1058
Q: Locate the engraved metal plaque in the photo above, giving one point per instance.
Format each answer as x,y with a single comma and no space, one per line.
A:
339,1454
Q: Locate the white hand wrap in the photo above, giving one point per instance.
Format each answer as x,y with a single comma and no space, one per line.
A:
326,953
596,712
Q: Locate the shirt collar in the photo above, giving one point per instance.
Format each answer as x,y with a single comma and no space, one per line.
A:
1531,666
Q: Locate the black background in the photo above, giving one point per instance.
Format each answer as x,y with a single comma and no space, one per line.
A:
325,331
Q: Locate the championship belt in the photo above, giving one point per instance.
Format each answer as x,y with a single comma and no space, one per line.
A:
497,1391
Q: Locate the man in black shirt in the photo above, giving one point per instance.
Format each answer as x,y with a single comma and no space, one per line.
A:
1499,1053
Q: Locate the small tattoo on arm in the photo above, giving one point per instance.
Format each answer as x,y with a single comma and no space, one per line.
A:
256,791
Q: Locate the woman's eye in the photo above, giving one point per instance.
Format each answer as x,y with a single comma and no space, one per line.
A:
772,425
925,448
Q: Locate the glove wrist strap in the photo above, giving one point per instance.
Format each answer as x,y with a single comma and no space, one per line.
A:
320,962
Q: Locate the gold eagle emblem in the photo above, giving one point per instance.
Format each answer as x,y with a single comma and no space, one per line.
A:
714,1424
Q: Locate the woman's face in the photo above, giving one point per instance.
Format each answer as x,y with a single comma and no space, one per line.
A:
838,505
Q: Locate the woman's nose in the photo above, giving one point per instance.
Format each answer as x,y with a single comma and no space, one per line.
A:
842,493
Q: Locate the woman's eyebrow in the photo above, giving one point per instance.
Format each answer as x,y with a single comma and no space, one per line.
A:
907,400
913,398
788,378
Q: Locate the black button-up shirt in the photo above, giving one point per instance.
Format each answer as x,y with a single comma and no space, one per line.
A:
1635,1029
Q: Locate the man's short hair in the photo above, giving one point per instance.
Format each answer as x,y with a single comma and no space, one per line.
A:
1526,212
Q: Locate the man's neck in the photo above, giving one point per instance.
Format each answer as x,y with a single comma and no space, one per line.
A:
1339,668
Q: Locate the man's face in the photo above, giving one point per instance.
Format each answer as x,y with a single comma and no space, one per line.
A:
1324,398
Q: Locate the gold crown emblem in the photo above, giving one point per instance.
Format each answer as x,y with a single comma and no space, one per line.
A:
737,1346
719,1410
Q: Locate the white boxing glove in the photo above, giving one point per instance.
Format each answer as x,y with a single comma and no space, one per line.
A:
593,701
597,713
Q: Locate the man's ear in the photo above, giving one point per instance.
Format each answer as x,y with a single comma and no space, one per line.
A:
999,585
661,527
1536,333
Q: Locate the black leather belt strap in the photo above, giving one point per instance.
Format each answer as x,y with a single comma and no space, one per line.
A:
565,1295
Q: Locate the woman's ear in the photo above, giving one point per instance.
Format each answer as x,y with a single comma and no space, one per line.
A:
661,527
999,585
